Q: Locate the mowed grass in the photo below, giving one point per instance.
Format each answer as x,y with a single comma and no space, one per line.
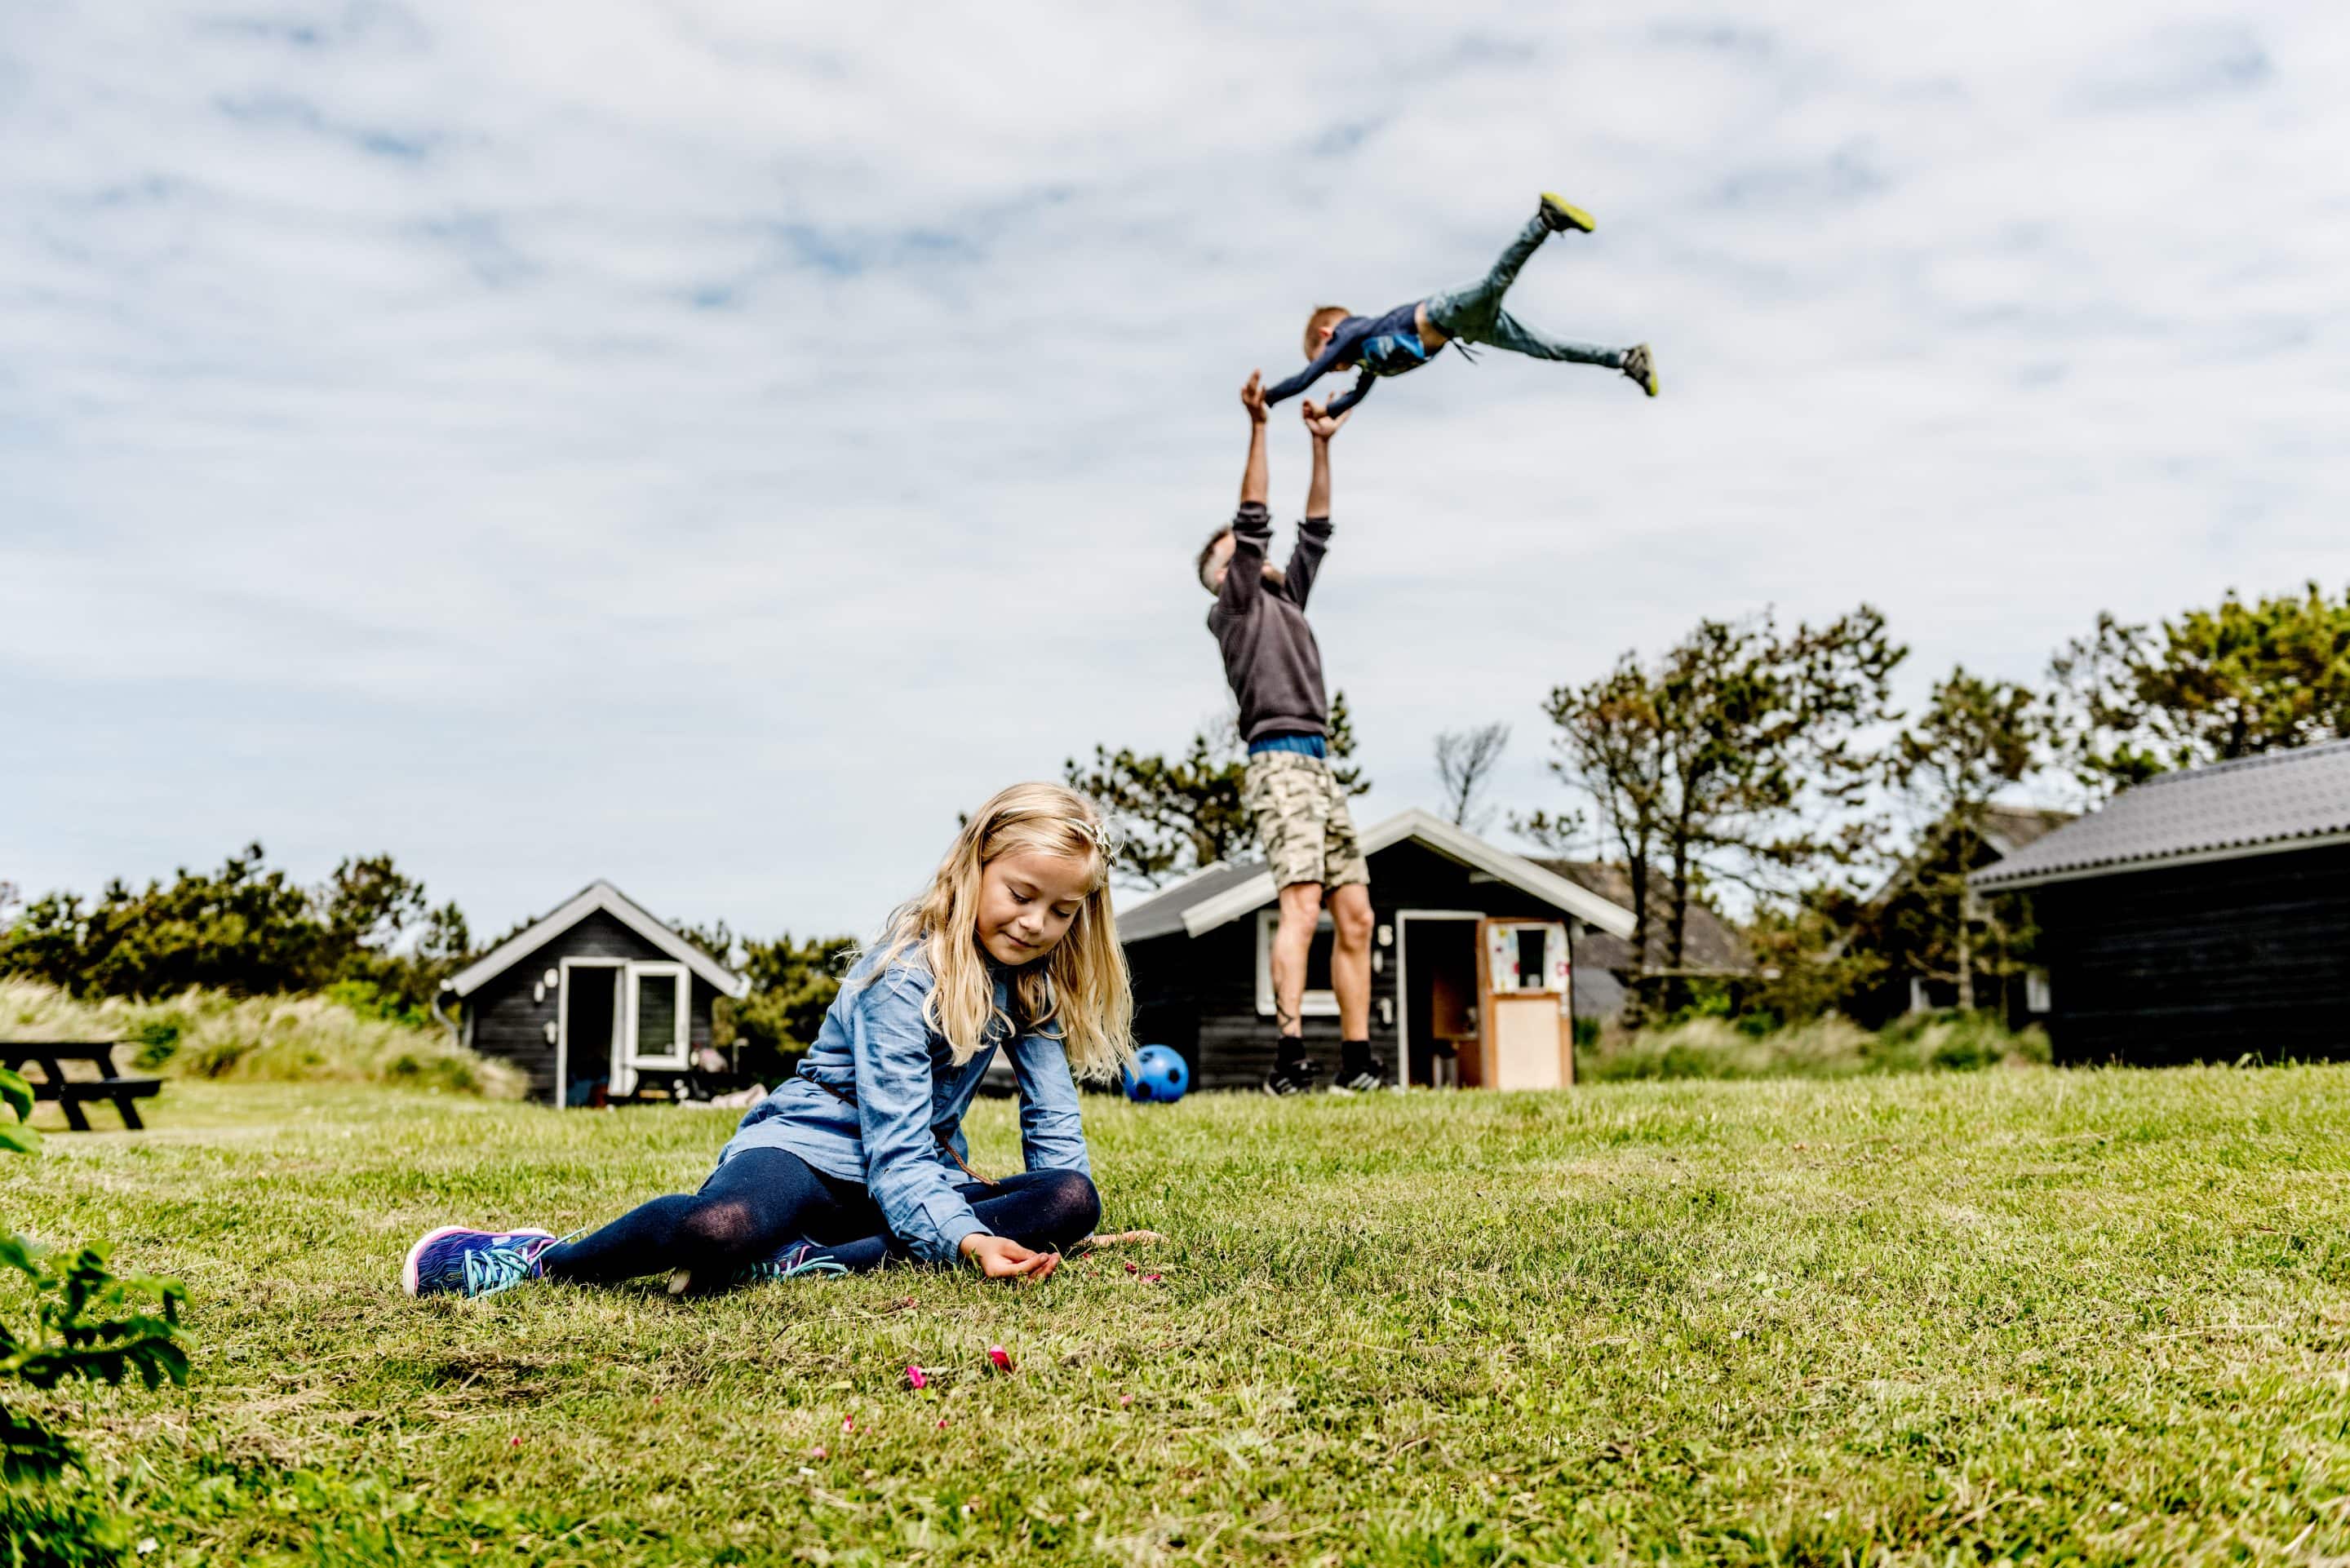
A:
2029,1316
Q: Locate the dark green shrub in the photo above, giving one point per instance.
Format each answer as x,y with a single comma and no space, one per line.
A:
89,1325
60,1529
157,1039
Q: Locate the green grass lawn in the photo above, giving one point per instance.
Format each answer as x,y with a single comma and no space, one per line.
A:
2007,1315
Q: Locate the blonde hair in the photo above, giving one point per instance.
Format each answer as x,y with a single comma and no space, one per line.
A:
1079,988
1323,315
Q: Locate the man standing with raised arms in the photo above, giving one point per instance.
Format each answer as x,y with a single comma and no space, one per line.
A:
1276,669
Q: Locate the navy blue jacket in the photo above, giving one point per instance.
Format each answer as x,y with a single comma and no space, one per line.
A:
1382,345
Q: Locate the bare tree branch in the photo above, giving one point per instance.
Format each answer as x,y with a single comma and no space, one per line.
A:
1465,760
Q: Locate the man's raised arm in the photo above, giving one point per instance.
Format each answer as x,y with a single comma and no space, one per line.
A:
1256,480
1313,534
1252,523
1321,424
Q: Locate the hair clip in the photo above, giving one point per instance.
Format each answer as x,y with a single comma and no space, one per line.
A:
1103,840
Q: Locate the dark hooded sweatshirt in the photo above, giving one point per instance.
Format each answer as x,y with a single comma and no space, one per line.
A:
1270,655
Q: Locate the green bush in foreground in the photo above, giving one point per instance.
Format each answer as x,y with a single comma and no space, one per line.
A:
1829,1047
87,1327
288,1039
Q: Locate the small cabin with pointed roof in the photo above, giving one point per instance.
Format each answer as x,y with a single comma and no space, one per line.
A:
594,998
1471,964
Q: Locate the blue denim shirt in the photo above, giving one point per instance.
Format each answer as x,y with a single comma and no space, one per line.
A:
876,1045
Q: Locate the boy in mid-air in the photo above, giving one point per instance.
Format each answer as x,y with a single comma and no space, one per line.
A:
1410,336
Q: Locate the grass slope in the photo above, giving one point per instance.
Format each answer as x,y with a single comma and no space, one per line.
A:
2046,1316
289,1039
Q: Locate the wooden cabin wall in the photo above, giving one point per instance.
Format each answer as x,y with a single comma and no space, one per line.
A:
1197,994
504,1022
2203,962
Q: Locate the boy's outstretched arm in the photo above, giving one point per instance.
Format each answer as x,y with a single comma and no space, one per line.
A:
1341,346
1343,404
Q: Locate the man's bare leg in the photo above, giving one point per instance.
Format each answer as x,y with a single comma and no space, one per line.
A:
1350,977
1351,958
1301,911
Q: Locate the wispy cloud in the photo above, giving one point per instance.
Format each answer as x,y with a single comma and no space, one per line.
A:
708,445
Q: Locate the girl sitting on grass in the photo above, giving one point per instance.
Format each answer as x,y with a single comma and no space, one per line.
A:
859,1158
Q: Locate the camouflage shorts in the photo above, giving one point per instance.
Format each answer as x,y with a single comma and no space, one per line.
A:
1302,819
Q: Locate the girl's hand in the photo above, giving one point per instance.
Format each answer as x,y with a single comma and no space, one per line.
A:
1002,1258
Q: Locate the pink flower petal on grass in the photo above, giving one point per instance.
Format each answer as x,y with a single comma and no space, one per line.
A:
917,1379
818,1452
943,1423
1003,1360
848,1423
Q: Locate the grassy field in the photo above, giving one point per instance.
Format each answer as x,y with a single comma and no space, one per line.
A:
1962,1318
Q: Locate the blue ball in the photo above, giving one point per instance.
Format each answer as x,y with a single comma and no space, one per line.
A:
1158,1075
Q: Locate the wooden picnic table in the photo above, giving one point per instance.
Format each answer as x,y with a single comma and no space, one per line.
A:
71,1094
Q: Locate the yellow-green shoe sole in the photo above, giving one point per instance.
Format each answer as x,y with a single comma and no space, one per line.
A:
1576,216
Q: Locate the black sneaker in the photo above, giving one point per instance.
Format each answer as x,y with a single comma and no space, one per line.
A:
1292,1077
1361,1081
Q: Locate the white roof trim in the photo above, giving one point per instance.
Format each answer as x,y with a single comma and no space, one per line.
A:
597,894
1145,897
1987,881
1454,843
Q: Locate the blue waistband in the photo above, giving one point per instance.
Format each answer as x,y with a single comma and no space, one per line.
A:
1304,745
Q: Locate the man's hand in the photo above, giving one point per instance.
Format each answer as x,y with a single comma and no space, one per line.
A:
1320,424
1253,397
1001,1258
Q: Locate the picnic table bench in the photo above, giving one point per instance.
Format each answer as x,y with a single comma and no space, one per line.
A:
72,1094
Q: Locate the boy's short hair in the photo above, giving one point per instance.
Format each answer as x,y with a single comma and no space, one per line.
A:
1323,315
1207,552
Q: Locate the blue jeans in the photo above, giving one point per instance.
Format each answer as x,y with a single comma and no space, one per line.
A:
765,1200
1475,314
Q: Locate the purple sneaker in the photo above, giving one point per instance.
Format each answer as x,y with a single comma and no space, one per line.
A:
472,1263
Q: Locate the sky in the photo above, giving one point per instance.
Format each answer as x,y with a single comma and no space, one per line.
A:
710,446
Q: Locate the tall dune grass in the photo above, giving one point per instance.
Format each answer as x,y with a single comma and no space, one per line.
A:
285,1039
1829,1047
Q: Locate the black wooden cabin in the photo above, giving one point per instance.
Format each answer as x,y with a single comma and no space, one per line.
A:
1471,964
594,1001
2202,916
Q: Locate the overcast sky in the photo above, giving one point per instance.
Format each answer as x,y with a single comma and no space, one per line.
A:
709,445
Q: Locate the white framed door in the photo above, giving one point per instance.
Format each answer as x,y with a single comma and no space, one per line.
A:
1403,923
575,1038
655,1021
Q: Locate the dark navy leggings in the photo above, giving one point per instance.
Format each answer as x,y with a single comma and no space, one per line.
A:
765,1200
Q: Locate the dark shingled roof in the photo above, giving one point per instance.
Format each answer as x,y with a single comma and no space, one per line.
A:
2256,806
1159,913
1709,943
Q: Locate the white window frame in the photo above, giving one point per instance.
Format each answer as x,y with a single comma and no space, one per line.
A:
680,1047
1314,1003
2037,1000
